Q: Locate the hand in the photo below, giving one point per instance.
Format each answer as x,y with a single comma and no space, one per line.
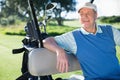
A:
62,61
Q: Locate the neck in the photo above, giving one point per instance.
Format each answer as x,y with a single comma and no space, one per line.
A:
91,29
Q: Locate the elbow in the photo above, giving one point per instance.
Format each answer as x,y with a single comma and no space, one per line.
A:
47,41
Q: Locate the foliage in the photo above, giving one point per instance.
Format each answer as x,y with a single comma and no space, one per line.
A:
11,20
111,19
20,8
5,21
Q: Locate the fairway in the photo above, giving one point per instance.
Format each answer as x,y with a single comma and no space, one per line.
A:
9,64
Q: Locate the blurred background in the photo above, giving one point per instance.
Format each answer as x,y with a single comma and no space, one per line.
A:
14,14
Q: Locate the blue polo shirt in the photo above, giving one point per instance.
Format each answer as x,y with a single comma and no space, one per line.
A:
95,52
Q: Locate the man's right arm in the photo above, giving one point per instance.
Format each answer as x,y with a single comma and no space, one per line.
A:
50,44
62,61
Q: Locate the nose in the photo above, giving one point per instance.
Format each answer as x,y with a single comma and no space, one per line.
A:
84,16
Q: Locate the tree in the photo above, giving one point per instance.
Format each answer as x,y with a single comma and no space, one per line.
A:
64,5
20,7
110,19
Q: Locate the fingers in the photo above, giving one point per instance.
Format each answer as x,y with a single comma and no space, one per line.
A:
62,60
62,65
67,65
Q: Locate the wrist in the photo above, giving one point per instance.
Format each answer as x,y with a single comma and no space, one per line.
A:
60,51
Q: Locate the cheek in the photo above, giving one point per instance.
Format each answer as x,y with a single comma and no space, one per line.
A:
80,20
94,17
91,19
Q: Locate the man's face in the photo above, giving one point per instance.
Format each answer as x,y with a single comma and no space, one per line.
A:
87,17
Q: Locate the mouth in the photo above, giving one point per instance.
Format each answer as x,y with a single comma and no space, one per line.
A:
85,22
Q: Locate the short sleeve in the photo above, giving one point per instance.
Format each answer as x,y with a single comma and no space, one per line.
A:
116,35
67,42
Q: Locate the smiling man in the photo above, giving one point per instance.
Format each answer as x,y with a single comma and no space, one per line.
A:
92,44
88,15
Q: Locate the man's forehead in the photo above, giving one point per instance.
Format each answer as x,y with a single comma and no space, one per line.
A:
86,9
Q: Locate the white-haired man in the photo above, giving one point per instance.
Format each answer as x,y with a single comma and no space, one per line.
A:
92,44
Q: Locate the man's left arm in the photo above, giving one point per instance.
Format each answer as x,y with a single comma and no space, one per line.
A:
116,35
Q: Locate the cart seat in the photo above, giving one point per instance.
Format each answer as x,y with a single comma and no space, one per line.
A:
43,62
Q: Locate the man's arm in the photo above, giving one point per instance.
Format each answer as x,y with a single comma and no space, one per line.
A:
62,61
116,34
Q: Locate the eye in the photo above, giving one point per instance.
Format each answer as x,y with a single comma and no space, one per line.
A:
90,13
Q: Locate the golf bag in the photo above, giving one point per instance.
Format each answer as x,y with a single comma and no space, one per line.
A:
33,40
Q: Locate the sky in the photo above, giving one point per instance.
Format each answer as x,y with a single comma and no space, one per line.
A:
104,7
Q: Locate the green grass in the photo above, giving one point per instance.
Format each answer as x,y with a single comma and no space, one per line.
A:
10,64
66,75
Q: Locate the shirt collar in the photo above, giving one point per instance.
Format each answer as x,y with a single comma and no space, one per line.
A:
86,33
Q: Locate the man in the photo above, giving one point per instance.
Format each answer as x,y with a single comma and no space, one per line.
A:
92,44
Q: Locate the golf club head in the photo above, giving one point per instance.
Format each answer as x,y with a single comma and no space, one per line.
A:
49,10
50,6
